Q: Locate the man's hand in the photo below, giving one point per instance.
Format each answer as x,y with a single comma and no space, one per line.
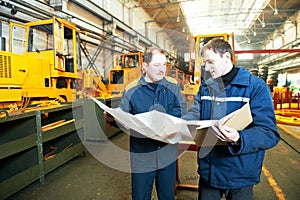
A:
225,133
108,117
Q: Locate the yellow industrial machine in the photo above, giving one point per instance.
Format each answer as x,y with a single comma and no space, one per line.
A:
91,84
129,69
40,63
43,64
182,77
196,64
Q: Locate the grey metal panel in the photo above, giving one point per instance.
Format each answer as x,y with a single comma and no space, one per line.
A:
93,9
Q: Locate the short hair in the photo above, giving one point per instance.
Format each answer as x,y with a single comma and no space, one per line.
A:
149,53
218,46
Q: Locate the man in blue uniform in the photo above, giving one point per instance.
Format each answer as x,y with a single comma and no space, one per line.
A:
232,169
151,159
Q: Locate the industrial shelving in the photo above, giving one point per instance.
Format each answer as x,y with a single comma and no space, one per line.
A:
34,143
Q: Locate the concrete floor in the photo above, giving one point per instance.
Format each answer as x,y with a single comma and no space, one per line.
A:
86,178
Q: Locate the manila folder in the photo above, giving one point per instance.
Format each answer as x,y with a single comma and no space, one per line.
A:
238,120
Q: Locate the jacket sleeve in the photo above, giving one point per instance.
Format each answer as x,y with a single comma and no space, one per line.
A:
125,102
194,111
125,106
262,133
179,107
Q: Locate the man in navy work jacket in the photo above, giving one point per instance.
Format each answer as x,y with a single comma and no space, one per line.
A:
232,169
152,159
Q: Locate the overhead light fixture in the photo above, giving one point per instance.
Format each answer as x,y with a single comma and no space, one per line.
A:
254,30
178,19
248,39
274,8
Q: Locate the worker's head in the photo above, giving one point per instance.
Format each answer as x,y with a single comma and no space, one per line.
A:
217,56
154,64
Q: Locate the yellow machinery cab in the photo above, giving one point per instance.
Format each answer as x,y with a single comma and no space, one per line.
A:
195,65
41,62
129,69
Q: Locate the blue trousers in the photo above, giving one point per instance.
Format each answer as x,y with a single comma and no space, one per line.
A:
142,183
206,192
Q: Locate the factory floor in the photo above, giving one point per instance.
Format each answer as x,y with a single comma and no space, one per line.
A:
86,178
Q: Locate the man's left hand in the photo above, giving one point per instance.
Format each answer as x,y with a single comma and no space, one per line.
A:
225,133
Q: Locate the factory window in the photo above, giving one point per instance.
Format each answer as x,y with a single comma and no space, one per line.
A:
278,42
18,40
4,36
269,45
290,35
40,38
294,82
282,81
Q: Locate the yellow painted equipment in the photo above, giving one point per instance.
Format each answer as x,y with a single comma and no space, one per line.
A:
195,64
41,63
92,85
129,69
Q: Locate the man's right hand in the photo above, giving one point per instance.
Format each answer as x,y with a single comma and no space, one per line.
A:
108,117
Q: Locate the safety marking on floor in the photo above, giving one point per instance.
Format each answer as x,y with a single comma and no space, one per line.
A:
297,136
273,184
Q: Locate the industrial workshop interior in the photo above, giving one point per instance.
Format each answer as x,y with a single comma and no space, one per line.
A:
63,62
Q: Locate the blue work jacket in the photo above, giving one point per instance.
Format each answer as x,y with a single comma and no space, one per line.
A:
149,154
230,166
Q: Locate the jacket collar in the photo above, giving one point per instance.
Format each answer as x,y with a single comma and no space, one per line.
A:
241,78
143,82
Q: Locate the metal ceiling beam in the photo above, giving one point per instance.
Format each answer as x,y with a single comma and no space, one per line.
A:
161,4
263,51
93,8
156,13
38,10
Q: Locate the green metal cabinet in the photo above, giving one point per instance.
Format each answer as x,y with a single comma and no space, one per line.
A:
27,138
